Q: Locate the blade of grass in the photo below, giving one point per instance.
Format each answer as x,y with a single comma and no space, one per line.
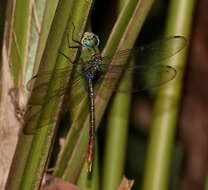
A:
31,161
206,184
116,136
2,23
20,34
60,167
167,104
43,14
118,119
32,39
15,50
79,21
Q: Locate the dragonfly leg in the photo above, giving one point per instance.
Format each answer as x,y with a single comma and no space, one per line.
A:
73,39
75,47
66,56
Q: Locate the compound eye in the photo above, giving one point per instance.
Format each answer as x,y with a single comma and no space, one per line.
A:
90,40
95,40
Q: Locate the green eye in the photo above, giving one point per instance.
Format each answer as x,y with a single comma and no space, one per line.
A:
90,40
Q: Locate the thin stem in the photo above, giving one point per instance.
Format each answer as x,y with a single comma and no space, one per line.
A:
167,105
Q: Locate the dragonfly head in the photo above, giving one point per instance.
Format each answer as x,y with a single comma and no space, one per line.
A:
90,40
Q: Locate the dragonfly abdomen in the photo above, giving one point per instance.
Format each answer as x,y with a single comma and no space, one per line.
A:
91,143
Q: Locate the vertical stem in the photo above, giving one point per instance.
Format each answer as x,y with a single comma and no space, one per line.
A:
116,136
167,104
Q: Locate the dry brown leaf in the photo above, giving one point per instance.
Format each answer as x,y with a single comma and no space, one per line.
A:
55,183
125,184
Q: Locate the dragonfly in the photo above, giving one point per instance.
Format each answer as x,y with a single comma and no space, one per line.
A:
96,68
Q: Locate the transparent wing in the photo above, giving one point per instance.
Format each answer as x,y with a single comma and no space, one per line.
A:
144,76
155,73
157,51
32,116
39,84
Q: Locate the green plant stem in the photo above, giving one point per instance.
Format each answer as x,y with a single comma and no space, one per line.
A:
118,115
21,29
33,150
116,136
206,184
43,12
167,105
80,17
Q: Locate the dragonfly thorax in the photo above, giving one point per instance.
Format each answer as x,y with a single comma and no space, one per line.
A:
92,70
96,59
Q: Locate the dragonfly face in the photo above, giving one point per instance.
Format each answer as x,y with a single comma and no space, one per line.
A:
90,40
